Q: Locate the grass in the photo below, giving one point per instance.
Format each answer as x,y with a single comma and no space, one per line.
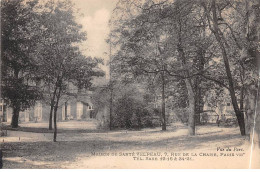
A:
35,149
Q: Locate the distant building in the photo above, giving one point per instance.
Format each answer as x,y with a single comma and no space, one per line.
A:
74,107
222,111
219,111
4,117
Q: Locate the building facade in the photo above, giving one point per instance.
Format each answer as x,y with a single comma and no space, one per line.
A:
77,107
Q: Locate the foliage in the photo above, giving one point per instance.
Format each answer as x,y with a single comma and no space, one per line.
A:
19,33
132,111
182,114
61,64
204,46
40,53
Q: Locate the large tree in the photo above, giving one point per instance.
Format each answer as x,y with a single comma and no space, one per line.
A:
165,40
203,43
143,52
234,25
60,62
19,34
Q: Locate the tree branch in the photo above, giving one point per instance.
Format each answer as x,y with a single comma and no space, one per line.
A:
215,80
232,33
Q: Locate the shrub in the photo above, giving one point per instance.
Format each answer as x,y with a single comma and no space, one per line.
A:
182,114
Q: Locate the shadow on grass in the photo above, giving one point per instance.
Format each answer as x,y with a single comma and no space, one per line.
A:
46,130
7,164
58,152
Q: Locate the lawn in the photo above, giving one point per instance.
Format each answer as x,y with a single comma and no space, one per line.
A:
81,145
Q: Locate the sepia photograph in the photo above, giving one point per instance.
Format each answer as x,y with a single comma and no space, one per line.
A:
130,84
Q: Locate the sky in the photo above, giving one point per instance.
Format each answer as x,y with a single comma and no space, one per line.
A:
95,18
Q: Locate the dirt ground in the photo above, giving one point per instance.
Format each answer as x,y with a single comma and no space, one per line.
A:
81,145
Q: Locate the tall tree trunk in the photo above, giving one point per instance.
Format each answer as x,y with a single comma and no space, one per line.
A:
139,120
163,104
257,119
191,96
55,116
216,31
52,107
250,102
66,111
251,35
198,97
50,116
199,62
55,122
16,107
242,93
188,83
15,117
111,107
191,119
198,104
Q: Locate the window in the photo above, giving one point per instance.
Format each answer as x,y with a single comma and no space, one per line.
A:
68,111
64,115
90,107
228,104
38,111
79,110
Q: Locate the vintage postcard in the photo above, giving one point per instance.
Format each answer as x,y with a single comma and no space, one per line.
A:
130,84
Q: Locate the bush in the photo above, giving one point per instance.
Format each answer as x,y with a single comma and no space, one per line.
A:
230,122
204,118
3,133
131,113
182,114
103,124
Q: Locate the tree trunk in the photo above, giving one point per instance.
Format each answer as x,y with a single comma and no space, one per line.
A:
191,119
163,104
198,105
52,106
242,99
138,116
191,96
216,31
198,93
188,83
55,123
257,119
50,117
198,96
66,111
250,102
15,117
16,107
55,116
111,107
